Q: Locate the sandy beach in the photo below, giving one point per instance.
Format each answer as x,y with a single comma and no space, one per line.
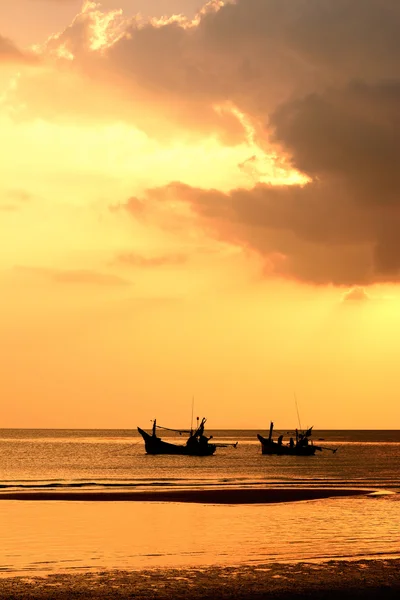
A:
209,496
362,579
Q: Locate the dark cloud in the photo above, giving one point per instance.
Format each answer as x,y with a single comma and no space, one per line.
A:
339,124
252,53
259,53
351,134
73,276
315,232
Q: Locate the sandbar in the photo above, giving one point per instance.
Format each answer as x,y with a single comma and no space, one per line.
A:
200,496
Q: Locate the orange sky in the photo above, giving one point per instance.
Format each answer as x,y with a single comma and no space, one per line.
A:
202,204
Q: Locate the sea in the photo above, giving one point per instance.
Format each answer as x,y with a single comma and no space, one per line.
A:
66,536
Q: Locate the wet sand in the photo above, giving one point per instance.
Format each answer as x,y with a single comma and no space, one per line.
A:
214,496
362,580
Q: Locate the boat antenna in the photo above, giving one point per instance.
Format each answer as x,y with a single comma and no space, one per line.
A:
191,422
297,409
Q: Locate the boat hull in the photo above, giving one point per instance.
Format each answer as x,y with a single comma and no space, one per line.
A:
269,447
155,445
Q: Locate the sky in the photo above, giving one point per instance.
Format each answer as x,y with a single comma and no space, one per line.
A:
200,200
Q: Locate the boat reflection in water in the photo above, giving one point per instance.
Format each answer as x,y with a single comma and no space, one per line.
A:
197,443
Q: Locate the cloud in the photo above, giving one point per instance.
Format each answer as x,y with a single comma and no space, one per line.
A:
13,200
320,80
190,74
132,259
73,276
350,134
338,125
19,195
9,53
281,48
316,232
135,205
355,294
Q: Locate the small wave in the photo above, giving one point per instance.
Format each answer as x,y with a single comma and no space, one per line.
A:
98,485
378,485
66,486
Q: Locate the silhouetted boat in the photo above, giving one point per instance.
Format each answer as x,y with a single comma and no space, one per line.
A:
302,445
197,443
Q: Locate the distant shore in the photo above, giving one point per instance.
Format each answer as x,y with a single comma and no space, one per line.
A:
201,496
361,580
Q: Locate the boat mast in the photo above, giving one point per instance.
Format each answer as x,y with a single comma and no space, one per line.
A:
297,409
191,422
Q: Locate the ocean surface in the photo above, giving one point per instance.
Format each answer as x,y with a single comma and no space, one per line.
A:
54,536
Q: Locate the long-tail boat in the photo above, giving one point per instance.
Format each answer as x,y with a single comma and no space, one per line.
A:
302,445
197,443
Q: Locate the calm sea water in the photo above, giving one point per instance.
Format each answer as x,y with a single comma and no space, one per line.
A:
42,537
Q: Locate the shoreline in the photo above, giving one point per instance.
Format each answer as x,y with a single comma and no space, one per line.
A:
363,579
200,496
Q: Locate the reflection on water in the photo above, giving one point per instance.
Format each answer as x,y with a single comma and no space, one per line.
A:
55,536
117,458
51,536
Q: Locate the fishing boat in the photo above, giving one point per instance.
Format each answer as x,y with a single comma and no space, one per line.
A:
197,443
301,445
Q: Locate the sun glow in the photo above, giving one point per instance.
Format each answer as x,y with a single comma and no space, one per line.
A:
179,213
